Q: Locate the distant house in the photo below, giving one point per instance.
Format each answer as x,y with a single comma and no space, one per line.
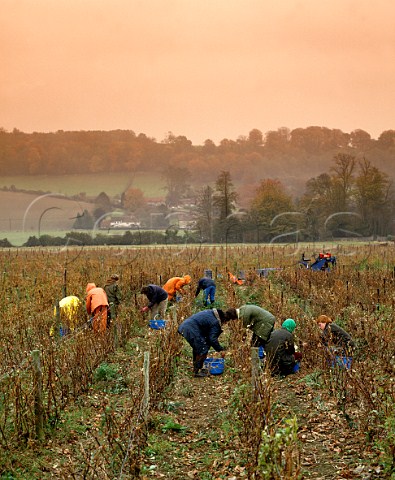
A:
122,225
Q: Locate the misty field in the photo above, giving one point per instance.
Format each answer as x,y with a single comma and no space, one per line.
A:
113,184
95,419
26,214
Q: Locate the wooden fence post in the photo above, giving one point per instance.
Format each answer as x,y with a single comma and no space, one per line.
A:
254,371
38,394
146,385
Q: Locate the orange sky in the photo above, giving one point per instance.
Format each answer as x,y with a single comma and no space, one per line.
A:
200,68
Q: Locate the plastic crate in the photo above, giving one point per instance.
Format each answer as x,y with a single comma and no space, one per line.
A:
342,362
157,324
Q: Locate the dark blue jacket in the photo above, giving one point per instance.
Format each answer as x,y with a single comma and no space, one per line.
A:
202,330
204,283
155,295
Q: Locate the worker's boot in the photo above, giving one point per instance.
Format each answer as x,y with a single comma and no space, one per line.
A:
198,366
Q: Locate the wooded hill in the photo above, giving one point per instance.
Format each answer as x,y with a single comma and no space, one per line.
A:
293,156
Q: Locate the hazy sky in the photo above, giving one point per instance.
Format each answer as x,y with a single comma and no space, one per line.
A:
200,68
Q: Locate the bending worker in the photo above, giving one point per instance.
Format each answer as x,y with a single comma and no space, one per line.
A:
260,321
175,285
201,331
209,288
280,349
97,305
157,298
69,313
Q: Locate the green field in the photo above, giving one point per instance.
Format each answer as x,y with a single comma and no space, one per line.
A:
112,184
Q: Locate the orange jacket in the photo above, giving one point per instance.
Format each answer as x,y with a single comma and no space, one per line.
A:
234,279
95,297
175,284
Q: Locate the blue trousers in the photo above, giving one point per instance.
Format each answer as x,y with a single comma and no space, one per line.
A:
209,293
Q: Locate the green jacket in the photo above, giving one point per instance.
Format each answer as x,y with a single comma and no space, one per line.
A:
260,321
112,292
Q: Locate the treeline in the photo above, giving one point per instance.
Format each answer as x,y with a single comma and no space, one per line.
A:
282,153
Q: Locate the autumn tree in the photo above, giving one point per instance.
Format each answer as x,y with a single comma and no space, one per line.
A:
374,199
317,203
176,178
342,181
224,201
204,212
255,137
83,221
133,200
328,199
103,205
272,210
225,195
360,140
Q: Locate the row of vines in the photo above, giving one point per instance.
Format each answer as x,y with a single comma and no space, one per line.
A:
358,294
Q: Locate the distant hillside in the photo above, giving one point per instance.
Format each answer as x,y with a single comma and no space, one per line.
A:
301,153
35,214
113,184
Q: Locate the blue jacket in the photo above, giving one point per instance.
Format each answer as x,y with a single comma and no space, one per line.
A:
204,283
202,330
155,295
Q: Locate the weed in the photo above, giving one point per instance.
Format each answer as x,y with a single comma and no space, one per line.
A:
105,372
312,379
176,427
387,446
278,456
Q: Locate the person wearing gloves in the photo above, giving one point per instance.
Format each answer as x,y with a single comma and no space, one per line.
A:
97,306
280,349
209,288
157,298
334,337
259,321
202,331
175,284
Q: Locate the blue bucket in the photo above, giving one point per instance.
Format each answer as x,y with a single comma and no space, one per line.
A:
157,324
342,362
215,366
296,367
261,352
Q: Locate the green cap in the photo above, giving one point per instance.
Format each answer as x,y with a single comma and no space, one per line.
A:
289,325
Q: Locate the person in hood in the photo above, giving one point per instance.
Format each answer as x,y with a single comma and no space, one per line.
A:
280,349
70,310
157,298
334,337
259,321
175,285
202,331
113,296
97,306
209,288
